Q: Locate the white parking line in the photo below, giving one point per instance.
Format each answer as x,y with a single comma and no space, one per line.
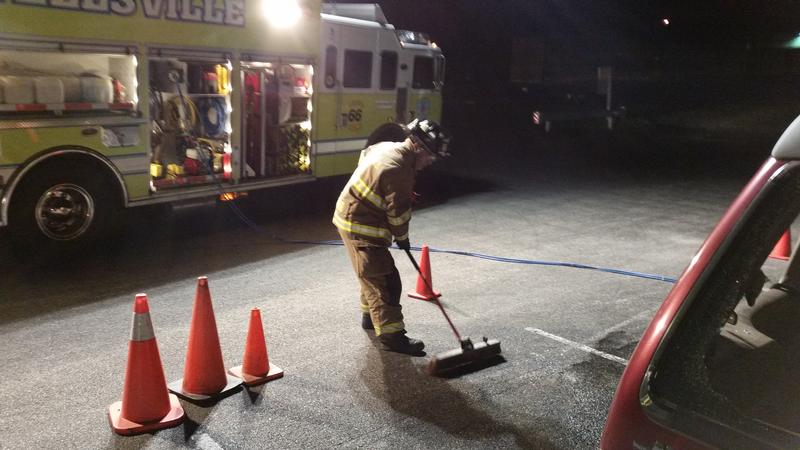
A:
646,314
579,346
205,442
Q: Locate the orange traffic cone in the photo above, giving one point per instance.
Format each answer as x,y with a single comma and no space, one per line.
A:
256,368
146,405
783,249
425,290
204,377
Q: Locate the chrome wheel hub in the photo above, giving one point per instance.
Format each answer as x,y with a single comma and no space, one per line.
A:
64,212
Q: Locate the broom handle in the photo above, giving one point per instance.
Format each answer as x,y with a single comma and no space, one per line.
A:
435,299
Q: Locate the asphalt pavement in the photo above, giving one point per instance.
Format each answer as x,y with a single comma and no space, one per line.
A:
640,199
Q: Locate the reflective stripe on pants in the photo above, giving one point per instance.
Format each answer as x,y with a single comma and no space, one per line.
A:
380,284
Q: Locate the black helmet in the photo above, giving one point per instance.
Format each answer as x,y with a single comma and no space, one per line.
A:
431,135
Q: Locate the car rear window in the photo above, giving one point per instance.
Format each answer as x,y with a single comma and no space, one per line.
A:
728,372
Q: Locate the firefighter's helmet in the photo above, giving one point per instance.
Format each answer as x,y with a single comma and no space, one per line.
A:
431,135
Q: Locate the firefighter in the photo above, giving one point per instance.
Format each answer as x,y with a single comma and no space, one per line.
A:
375,207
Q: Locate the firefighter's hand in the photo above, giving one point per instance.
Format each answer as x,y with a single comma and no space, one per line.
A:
404,244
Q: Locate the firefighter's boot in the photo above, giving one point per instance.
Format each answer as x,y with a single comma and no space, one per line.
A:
400,343
366,322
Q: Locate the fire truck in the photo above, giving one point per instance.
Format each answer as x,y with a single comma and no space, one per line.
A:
112,104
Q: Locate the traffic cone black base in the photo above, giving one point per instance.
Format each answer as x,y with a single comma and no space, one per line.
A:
176,387
125,427
274,373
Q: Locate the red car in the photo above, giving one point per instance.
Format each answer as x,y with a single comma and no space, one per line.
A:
719,365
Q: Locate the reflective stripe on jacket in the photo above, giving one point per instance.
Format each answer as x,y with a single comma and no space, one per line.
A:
376,202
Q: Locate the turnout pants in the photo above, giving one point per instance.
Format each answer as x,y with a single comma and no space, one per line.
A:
380,284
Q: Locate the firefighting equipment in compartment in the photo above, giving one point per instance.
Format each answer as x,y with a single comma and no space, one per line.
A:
431,135
156,135
210,83
181,114
49,90
213,115
284,105
156,170
146,404
162,73
19,90
223,79
285,93
96,89
369,212
174,171
192,164
119,91
72,89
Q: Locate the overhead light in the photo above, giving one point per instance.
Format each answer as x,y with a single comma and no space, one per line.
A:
282,13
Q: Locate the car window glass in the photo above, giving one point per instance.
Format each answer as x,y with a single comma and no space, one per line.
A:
734,355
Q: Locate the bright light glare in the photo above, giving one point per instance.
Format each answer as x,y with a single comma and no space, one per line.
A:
794,43
282,13
665,21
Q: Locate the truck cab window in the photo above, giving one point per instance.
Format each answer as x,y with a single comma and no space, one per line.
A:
388,70
357,69
423,73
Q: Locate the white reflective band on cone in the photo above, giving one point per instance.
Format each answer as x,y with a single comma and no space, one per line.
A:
142,328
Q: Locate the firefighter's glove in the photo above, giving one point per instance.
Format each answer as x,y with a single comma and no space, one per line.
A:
403,244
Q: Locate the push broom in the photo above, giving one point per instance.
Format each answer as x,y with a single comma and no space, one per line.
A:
469,354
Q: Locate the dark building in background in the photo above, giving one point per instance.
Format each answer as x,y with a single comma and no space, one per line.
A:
664,54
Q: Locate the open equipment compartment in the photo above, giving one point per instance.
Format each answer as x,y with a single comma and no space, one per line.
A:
54,80
190,108
277,119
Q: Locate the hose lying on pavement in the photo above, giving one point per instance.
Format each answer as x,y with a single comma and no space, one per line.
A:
649,276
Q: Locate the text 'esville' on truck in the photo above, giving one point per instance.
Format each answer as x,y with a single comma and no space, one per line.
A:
119,103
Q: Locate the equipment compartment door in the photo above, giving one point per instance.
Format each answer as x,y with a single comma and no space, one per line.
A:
276,125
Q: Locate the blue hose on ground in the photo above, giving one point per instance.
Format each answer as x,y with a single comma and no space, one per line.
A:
648,276
243,217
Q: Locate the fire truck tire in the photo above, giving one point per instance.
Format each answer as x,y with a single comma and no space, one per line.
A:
61,208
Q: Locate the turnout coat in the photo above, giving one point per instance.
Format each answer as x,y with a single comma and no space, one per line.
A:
375,205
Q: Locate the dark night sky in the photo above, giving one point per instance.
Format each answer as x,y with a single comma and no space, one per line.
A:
707,40
717,22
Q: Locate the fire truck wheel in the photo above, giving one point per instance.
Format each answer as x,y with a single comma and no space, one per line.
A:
60,208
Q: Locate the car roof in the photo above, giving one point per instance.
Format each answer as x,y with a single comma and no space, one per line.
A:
788,145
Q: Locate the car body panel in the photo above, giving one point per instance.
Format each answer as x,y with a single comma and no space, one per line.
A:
628,424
